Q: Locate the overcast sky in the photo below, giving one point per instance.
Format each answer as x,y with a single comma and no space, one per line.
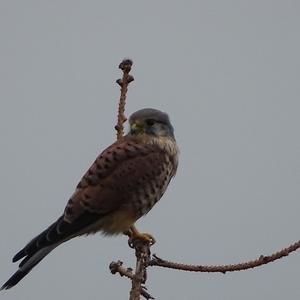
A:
227,72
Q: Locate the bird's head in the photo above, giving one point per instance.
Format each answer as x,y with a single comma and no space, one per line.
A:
151,122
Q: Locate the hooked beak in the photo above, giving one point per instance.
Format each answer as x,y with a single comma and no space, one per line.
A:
136,128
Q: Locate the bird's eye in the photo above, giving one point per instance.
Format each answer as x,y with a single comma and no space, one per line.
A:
150,122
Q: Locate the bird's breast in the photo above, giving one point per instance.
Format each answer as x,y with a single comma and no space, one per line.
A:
150,191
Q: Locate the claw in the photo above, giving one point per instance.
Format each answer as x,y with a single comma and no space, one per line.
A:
134,234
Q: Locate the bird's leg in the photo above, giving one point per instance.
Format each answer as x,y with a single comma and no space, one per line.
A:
134,234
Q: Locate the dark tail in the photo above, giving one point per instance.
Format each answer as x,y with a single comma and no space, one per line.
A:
34,252
26,265
57,233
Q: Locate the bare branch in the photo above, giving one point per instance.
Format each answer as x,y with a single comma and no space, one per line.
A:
117,267
125,66
262,260
142,248
142,253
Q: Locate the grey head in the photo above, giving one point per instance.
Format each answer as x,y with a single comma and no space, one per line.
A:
151,121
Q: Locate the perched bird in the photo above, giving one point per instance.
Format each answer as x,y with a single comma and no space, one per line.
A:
122,185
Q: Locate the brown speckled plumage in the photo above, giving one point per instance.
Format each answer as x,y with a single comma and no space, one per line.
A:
123,184
128,176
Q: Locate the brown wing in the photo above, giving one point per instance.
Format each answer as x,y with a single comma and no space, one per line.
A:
114,176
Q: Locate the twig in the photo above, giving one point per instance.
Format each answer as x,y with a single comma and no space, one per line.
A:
125,66
262,260
117,267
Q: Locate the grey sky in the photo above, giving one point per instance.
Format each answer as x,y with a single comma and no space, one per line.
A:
227,72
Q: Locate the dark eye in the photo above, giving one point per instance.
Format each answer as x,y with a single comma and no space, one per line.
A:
150,122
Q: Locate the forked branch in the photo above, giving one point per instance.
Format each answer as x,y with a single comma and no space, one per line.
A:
117,267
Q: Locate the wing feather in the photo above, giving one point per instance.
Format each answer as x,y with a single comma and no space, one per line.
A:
115,174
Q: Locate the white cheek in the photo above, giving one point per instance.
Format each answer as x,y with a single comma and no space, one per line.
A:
163,131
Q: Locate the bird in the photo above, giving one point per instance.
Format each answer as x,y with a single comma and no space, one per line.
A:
123,184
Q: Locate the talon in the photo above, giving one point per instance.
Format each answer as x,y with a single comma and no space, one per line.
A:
135,234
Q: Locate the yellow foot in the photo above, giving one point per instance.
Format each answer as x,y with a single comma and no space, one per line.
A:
134,234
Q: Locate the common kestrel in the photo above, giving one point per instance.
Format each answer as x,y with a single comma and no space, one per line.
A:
123,184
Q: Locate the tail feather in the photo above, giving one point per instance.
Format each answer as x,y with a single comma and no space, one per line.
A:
57,233
19,255
34,252
26,265
13,280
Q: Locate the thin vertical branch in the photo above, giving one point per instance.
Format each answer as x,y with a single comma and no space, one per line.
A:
125,66
142,253
142,248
